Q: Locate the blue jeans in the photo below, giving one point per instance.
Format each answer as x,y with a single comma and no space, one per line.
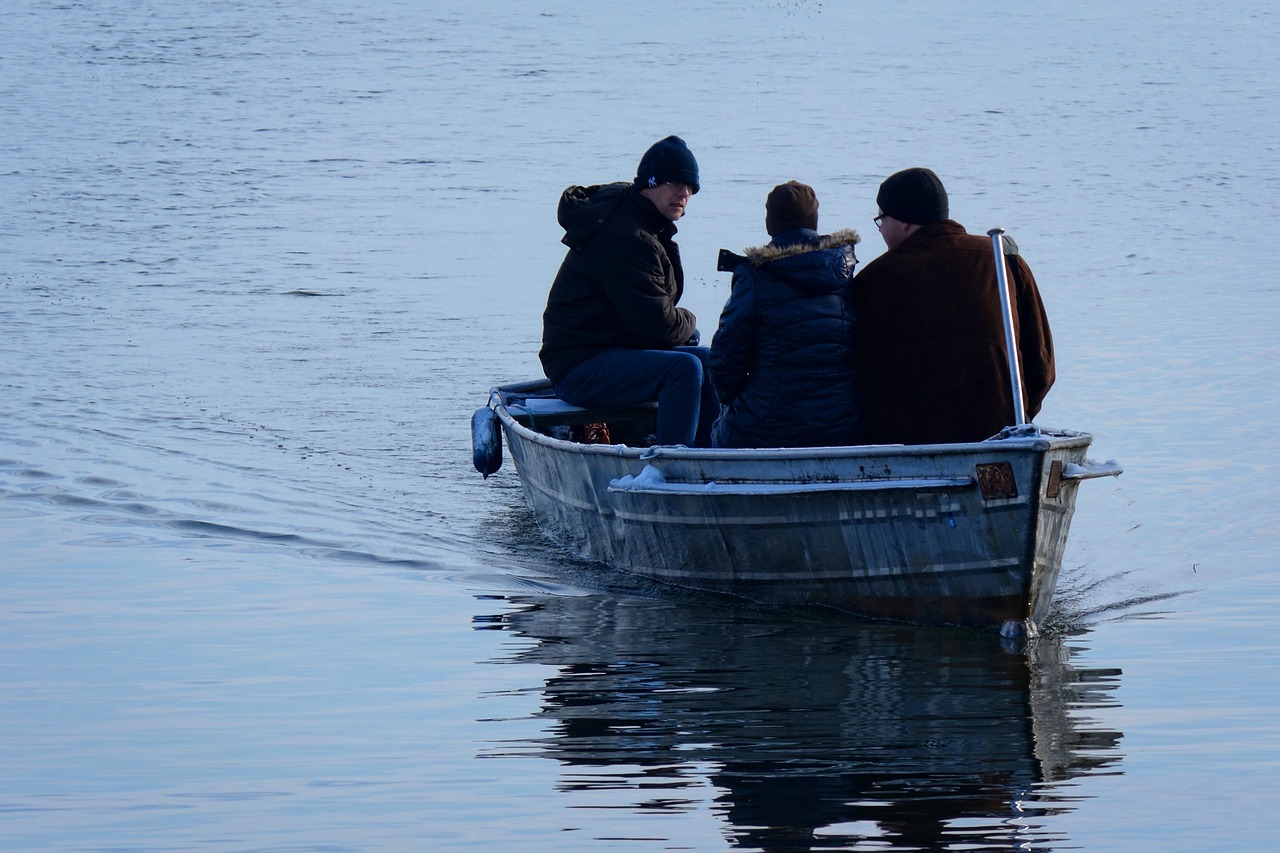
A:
678,380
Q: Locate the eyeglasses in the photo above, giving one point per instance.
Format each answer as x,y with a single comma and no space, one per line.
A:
878,220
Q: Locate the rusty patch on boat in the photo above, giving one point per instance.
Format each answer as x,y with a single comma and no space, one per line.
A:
1055,479
996,481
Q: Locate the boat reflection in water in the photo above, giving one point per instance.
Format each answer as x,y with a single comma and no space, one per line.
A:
811,734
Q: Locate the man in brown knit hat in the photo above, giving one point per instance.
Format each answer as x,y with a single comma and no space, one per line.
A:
782,357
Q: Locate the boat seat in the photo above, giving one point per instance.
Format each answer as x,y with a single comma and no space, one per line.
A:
543,412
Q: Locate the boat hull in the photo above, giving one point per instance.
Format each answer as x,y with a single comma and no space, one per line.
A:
963,534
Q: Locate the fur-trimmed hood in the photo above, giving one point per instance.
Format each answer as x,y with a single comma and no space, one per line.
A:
761,255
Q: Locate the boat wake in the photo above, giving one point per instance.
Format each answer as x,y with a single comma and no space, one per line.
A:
1081,603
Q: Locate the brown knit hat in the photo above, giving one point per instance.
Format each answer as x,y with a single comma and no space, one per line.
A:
790,205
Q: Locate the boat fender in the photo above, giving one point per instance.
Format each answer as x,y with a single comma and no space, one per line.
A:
486,441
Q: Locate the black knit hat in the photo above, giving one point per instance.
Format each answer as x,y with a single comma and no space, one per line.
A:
668,160
790,205
915,196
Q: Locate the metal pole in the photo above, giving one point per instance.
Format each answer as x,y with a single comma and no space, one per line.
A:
1010,340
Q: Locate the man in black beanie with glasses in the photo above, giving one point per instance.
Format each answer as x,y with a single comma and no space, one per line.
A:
612,333
930,330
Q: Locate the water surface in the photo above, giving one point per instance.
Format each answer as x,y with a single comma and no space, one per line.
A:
260,262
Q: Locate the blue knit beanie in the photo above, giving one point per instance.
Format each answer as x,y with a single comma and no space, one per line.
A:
668,160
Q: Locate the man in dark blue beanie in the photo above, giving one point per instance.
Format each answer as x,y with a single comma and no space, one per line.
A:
668,160
613,334
930,329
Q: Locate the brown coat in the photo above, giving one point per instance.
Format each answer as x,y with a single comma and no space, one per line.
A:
930,340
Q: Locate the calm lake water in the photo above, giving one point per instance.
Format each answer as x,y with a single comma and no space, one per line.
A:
260,260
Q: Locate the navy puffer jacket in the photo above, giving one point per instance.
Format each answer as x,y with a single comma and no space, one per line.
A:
782,360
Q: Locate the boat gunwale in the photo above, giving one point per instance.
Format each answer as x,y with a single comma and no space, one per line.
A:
1041,441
